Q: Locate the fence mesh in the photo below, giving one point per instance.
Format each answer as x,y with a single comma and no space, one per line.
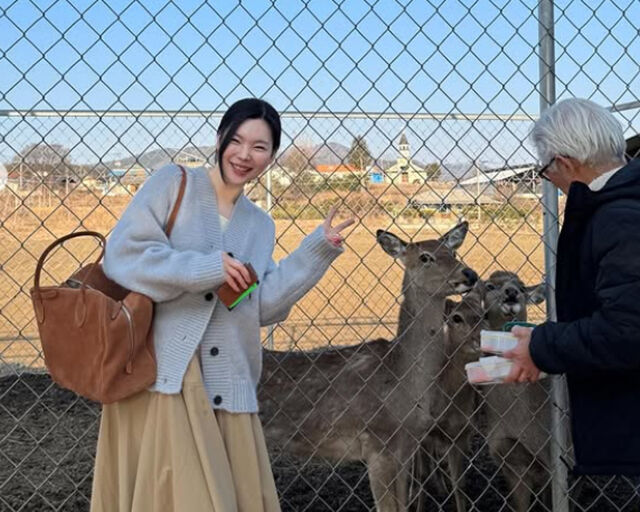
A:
411,116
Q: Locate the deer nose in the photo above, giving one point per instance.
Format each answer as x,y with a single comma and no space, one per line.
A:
511,293
471,276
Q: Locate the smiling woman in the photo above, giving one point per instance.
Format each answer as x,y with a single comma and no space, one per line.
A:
203,406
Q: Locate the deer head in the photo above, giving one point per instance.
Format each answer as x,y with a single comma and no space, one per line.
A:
431,264
463,322
506,297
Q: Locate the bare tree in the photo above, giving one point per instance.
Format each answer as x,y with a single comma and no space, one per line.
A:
42,161
298,156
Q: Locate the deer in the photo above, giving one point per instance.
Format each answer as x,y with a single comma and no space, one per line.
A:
374,401
518,416
450,440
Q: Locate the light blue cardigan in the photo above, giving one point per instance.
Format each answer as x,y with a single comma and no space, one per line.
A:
182,273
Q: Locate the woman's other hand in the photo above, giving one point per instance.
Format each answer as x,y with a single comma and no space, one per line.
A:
235,273
333,232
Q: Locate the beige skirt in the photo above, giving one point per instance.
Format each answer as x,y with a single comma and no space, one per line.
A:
159,452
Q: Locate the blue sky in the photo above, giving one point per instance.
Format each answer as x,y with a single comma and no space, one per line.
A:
439,56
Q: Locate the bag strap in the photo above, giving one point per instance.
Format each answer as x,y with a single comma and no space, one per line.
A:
176,207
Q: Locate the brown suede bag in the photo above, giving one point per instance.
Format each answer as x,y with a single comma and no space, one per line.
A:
96,336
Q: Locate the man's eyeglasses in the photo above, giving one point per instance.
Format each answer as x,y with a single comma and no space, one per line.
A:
542,171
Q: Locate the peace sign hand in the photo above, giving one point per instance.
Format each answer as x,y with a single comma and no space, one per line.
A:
333,232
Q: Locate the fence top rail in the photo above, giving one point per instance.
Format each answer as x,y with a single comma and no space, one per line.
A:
456,116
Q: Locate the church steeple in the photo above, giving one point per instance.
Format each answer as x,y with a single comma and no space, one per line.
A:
404,148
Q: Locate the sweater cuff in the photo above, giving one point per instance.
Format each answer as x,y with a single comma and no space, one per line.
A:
542,351
320,250
207,271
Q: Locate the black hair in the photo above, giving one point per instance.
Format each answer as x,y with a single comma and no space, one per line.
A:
238,113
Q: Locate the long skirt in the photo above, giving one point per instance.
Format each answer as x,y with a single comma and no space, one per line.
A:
159,452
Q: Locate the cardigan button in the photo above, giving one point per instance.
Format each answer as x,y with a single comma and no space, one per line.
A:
208,297
214,351
217,400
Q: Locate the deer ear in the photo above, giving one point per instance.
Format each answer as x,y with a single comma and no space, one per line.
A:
391,244
453,239
536,293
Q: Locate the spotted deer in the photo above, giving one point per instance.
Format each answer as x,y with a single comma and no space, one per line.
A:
518,416
374,401
449,441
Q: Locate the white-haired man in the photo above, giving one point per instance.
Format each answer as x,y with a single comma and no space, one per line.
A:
596,340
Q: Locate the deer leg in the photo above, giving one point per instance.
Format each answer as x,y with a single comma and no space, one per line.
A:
516,461
455,458
388,482
540,477
421,471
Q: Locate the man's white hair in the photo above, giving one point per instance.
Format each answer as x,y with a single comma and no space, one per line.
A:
580,129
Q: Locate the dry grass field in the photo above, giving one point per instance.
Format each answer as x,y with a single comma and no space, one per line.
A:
356,300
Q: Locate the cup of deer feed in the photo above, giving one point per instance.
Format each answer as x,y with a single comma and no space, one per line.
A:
488,370
497,342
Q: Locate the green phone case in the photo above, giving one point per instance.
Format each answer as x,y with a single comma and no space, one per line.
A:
244,295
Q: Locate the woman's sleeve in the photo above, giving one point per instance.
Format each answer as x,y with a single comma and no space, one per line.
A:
288,281
139,255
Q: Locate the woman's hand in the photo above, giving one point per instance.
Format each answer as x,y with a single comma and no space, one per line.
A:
235,273
333,232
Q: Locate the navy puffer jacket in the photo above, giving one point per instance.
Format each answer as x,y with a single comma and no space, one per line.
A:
596,341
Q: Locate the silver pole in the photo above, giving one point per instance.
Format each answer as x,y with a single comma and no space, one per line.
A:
559,436
269,205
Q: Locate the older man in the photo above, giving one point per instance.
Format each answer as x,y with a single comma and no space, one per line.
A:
596,340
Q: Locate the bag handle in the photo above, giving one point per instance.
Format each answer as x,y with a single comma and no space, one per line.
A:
102,239
60,241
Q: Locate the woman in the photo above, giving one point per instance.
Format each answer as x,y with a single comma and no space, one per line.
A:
194,441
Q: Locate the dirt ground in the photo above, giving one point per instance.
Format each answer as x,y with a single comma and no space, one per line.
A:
357,300
47,447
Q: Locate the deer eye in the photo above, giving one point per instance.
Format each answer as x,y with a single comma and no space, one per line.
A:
457,318
426,258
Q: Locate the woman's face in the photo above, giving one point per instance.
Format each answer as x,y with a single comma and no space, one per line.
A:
249,152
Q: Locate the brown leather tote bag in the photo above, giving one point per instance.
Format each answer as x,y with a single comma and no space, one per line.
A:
96,336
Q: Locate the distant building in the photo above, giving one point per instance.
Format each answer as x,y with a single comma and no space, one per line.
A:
443,200
516,179
404,170
3,177
376,174
279,174
190,158
131,178
337,172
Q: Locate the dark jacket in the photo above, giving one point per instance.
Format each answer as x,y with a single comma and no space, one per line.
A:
596,341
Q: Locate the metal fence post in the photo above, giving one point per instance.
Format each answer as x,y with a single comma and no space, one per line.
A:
269,204
550,223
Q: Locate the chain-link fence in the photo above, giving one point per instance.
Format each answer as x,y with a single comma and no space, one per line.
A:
411,116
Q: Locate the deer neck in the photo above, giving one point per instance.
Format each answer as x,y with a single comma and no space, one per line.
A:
420,327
